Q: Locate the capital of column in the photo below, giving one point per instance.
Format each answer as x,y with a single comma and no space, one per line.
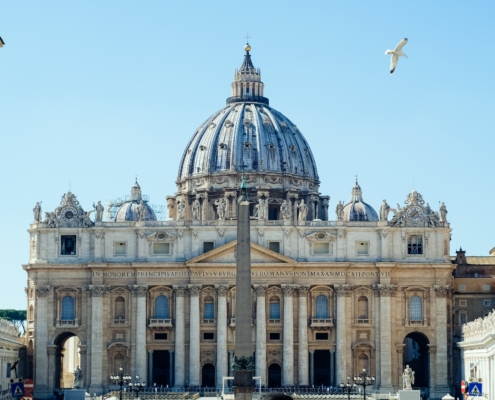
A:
302,291
98,290
288,290
343,290
194,290
42,291
260,291
432,348
385,290
311,351
139,291
222,290
171,350
442,291
150,351
99,234
180,291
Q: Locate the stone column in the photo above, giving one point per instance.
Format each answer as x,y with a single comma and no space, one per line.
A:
376,313
41,340
97,293
231,360
194,337
150,368
288,345
302,336
386,293
222,368
180,339
51,351
312,367
141,292
261,333
343,292
441,332
83,363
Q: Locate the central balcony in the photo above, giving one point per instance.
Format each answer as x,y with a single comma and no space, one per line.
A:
161,323
321,323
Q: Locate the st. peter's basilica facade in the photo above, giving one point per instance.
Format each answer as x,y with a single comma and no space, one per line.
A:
365,290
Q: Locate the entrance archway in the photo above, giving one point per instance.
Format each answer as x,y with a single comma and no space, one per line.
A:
161,368
322,368
274,376
416,355
66,359
208,378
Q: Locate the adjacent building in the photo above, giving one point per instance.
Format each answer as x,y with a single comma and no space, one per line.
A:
331,295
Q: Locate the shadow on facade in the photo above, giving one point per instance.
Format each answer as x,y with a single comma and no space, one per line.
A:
416,355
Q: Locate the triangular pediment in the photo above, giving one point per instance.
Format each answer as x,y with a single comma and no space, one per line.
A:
227,254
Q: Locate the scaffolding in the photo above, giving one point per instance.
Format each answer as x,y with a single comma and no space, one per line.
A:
112,206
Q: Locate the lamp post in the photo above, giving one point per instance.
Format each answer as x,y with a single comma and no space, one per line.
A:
137,386
348,387
120,379
364,380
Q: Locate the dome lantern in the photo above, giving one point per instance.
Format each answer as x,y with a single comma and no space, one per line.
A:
247,83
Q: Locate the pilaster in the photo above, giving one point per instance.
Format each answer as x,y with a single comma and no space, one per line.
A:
194,336
288,337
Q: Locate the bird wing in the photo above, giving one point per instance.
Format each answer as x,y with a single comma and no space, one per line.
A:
1,42
393,63
401,44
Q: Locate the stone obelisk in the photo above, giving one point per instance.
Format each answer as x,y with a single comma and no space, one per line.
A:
243,365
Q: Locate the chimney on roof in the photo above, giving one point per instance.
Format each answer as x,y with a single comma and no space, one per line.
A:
461,257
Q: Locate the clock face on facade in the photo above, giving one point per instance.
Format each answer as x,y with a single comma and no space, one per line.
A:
415,213
68,214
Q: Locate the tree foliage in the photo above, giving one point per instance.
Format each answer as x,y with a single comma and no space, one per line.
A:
17,317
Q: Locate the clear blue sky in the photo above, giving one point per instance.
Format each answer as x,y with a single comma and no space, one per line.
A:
93,93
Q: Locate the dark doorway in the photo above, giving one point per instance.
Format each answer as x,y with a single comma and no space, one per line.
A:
322,368
416,355
274,376
208,378
161,367
273,213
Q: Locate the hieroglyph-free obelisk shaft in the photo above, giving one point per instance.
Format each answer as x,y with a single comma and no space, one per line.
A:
243,355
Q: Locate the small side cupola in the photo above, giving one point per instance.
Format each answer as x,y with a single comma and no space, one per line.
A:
357,209
460,258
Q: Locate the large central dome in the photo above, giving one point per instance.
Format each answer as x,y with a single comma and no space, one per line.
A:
251,137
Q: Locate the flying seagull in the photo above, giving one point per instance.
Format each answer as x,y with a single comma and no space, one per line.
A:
396,53
1,42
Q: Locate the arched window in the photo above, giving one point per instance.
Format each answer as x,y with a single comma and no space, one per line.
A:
68,309
118,362
415,245
274,307
161,307
321,306
363,309
119,308
209,308
415,309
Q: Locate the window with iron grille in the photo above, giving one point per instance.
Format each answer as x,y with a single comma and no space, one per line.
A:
161,307
68,309
321,306
415,309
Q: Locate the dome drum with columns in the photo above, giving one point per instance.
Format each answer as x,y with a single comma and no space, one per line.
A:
248,136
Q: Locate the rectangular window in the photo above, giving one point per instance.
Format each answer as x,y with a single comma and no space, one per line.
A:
321,336
68,245
208,336
161,336
9,365
321,248
161,248
487,303
462,303
274,336
274,310
462,287
274,246
486,288
415,245
362,248
463,318
209,311
208,246
119,248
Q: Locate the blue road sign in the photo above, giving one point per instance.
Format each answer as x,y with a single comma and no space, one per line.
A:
17,389
475,389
